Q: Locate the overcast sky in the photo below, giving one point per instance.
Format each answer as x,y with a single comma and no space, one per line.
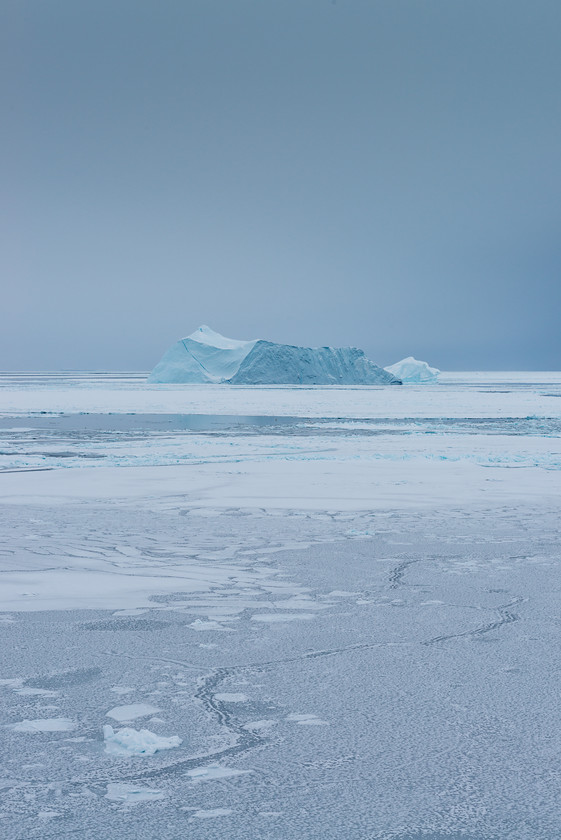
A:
377,173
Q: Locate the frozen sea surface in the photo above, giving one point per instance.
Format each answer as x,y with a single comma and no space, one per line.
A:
339,607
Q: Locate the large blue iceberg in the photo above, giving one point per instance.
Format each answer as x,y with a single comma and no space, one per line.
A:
207,356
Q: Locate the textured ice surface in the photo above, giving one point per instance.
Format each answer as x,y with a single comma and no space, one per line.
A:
207,356
131,794
420,526
132,711
231,697
306,720
211,813
275,618
256,725
412,370
213,772
44,725
129,741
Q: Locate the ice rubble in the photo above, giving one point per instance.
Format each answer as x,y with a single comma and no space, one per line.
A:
207,356
129,741
412,370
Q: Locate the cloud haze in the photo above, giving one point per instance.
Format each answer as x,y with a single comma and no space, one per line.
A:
384,174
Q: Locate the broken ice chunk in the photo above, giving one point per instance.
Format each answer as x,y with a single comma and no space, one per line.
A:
129,741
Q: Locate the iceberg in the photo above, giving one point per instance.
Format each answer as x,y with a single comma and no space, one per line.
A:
412,370
207,356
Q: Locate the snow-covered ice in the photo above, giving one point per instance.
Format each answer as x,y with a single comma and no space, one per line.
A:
213,772
132,794
306,720
257,725
212,813
127,741
60,724
275,618
132,711
159,547
231,697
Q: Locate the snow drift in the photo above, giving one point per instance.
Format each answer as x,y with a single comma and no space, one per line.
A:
207,356
412,370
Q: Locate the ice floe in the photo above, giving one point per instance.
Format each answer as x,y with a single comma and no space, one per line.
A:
307,720
214,771
132,711
131,794
257,725
60,724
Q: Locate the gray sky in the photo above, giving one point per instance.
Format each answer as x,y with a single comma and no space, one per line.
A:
380,173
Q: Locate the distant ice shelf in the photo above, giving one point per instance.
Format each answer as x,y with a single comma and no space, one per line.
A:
413,370
207,356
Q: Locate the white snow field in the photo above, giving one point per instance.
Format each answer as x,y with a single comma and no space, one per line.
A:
207,356
321,611
412,370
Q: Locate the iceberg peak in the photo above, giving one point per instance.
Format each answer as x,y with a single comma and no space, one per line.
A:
206,335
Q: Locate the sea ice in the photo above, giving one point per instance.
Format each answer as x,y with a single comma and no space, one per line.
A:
272,618
121,689
213,812
231,698
256,725
132,711
307,720
207,356
198,624
131,794
48,815
214,771
39,692
129,741
412,370
44,725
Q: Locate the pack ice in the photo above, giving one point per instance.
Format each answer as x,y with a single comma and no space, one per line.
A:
412,370
207,356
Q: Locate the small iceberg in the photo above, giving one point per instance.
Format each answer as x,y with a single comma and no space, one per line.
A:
413,370
127,741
